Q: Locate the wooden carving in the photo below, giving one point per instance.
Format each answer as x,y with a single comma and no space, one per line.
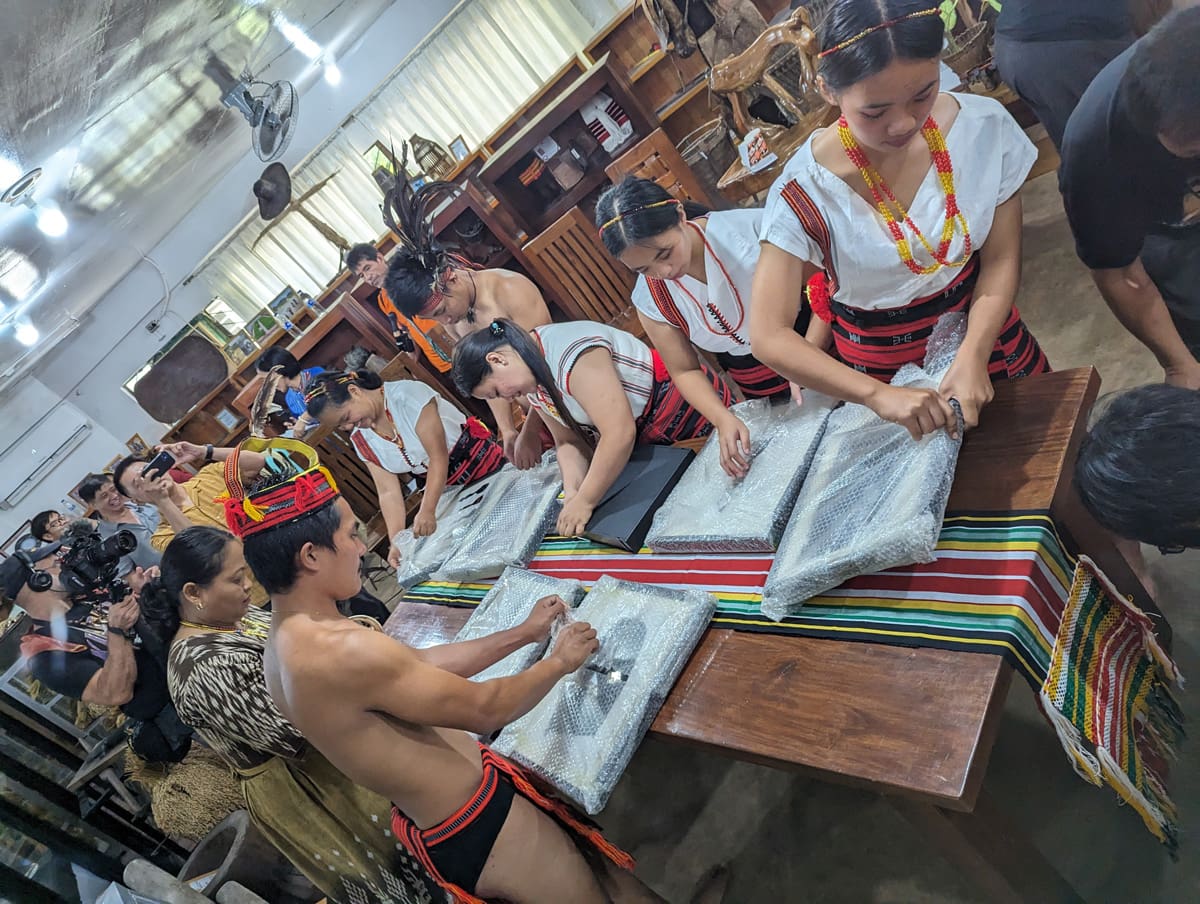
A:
781,62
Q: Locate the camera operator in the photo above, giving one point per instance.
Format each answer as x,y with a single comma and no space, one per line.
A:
118,514
76,649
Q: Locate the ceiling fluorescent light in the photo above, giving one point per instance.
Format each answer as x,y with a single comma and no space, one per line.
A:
26,333
51,221
295,34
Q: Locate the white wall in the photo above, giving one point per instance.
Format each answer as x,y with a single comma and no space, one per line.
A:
89,366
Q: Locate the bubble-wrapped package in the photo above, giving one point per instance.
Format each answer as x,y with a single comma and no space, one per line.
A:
874,498
421,556
709,511
509,525
583,734
507,605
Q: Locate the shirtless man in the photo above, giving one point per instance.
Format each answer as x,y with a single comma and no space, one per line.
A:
395,719
424,280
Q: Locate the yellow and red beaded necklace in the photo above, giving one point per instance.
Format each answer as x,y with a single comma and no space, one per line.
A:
880,191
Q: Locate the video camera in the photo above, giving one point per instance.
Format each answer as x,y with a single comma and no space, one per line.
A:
89,566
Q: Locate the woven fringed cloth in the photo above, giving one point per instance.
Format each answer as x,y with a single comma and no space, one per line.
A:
1108,695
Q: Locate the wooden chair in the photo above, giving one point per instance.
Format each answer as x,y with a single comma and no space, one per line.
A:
569,258
656,158
782,63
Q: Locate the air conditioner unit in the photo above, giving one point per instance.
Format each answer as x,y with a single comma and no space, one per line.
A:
31,456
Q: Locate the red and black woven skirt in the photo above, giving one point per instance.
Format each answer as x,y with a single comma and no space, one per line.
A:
879,343
475,455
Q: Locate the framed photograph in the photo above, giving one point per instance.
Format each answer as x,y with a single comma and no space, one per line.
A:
417,181
73,493
458,147
108,468
227,419
136,445
285,305
262,325
239,348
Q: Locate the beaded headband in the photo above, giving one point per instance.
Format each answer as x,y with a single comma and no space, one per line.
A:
630,213
874,28
295,496
322,387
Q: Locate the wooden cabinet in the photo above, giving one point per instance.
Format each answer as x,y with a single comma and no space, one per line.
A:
537,202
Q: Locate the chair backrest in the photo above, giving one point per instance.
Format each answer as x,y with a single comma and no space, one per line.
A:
656,158
781,61
568,256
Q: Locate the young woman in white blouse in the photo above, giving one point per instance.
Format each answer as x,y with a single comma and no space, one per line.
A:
905,209
599,391
404,427
693,292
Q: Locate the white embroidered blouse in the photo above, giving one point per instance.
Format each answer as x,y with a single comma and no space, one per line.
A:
563,343
991,156
717,311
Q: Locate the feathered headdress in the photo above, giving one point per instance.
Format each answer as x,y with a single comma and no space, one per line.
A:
264,403
408,212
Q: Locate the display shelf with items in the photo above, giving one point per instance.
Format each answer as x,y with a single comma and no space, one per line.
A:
557,160
673,84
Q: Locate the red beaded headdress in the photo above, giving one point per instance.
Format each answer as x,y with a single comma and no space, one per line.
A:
295,496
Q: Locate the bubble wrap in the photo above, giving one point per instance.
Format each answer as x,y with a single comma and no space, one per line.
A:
582,735
509,603
420,557
509,525
873,498
709,511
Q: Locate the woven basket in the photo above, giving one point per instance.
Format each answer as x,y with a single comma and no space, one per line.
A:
972,50
709,152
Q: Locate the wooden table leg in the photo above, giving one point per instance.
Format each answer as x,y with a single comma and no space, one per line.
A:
991,852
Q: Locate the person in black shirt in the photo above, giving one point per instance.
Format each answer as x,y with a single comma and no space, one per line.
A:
1130,167
1048,51
77,650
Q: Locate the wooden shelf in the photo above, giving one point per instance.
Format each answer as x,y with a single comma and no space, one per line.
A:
498,173
644,67
681,100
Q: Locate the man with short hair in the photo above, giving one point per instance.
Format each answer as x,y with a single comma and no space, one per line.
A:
118,513
396,720
367,263
1137,471
183,505
47,526
1129,178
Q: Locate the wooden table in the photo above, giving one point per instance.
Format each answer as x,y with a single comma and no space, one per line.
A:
917,725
